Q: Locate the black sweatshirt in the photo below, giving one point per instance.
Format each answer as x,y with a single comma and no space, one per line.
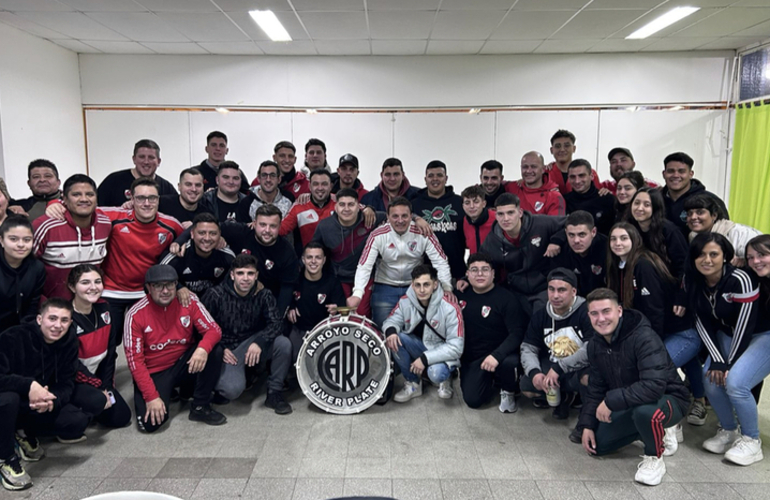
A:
20,291
170,205
601,207
198,273
115,189
494,323
590,270
445,216
312,297
675,211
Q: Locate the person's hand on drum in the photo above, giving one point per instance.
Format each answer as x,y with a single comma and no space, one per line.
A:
331,308
292,315
353,301
229,358
417,367
252,354
393,342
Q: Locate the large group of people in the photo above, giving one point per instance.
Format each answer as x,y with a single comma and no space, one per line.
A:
557,287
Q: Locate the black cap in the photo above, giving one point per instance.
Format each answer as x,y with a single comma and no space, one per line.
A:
615,151
348,158
160,273
563,274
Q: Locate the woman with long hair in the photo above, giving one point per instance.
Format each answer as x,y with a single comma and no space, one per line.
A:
21,275
643,282
726,304
628,184
95,391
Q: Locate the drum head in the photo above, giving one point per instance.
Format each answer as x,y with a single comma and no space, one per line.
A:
343,366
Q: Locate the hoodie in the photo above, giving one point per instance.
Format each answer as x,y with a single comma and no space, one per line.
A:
445,216
675,211
379,199
247,207
602,208
590,269
20,291
738,234
25,357
560,338
476,231
544,200
358,186
292,183
556,176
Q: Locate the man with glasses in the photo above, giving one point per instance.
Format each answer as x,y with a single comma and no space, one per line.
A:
265,192
494,328
163,352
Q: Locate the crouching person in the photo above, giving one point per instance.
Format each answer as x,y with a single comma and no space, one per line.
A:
163,353
38,362
634,391
425,331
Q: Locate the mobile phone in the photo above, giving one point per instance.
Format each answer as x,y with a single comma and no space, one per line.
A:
112,397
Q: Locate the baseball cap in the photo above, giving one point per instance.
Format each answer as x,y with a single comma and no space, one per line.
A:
615,151
348,158
563,274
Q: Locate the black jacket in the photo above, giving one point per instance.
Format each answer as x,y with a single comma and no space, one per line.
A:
633,369
20,291
525,266
602,208
675,211
445,216
590,270
677,252
25,357
35,205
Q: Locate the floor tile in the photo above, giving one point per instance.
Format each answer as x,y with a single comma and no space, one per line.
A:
277,466
559,490
230,468
751,491
363,467
326,467
663,491
69,488
506,489
53,466
367,487
185,468
94,467
465,489
707,491
605,490
122,484
314,489
177,487
239,448
269,488
417,489
209,488
139,467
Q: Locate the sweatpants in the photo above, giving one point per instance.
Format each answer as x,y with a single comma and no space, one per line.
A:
177,375
480,386
645,422
118,308
232,381
67,421
92,400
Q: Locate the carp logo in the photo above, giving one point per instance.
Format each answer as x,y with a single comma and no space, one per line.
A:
161,238
439,214
485,310
599,215
296,187
539,206
434,323
218,271
127,194
361,231
185,320
536,241
246,251
321,298
597,270
462,304
683,216
412,246
297,295
106,317
269,264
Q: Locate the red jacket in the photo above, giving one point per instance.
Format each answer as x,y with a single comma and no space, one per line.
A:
544,200
305,216
477,231
155,337
555,175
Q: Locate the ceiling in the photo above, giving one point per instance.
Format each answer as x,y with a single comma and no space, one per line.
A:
385,27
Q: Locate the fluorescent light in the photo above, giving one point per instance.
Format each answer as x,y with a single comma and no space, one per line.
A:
224,111
661,22
474,111
311,111
270,25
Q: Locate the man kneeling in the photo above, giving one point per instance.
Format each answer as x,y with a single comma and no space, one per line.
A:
634,391
162,352
425,331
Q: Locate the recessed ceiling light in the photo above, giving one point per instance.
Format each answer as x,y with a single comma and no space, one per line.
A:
270,25
661,22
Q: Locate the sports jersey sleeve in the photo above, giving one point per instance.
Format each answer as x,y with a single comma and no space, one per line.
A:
439,260
289,223
204,324
366,263
134,345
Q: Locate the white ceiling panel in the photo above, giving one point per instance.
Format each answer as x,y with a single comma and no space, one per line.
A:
597,24
510,46
335,26
179,5
731,43
551,5
214,27
477,4
175,48
120,47
465,25
450,47
33,5
247,5
530,25
76,46
104,5
620,45
562,47
759,30
139,26
296,48
343,47
402,25
668,44
726,22
30,27
398,47
328,5
73,24
232,48
627,4
249,26
388,5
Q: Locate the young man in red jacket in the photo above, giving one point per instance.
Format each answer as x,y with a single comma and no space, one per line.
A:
162,352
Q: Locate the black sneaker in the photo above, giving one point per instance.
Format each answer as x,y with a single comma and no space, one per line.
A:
540,403
561,412
576,436
276,402
207,415
219,399
578,402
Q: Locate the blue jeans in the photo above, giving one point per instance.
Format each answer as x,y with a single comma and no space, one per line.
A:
411,348
683,347
749,370
384,299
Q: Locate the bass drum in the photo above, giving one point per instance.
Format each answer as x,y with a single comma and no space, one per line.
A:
343,366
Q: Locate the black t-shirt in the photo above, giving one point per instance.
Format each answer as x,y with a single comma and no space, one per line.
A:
312,297
115,189
227,211
198,273
170,205
590,270
494,323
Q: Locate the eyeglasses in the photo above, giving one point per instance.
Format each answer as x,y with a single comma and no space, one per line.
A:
269,176
480,270
171,285
147,199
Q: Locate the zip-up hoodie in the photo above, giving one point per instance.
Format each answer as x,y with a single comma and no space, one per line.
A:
20,291
378,197
476,231
446,318
25,357
562,338
247,207
675,211
358,186
35,205
293,183
545,200
445,216
209,203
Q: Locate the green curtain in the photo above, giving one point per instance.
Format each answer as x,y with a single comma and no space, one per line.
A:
750,176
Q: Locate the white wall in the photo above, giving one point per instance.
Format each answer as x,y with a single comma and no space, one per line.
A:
40,107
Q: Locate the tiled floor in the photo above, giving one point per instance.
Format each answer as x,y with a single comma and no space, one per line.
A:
426,449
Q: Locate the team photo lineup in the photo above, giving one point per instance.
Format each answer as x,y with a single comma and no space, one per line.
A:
636,305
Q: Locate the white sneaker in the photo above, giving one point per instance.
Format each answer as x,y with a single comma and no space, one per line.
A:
445,390
745,451
722,441
409,391
650,471
507,402
671,440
